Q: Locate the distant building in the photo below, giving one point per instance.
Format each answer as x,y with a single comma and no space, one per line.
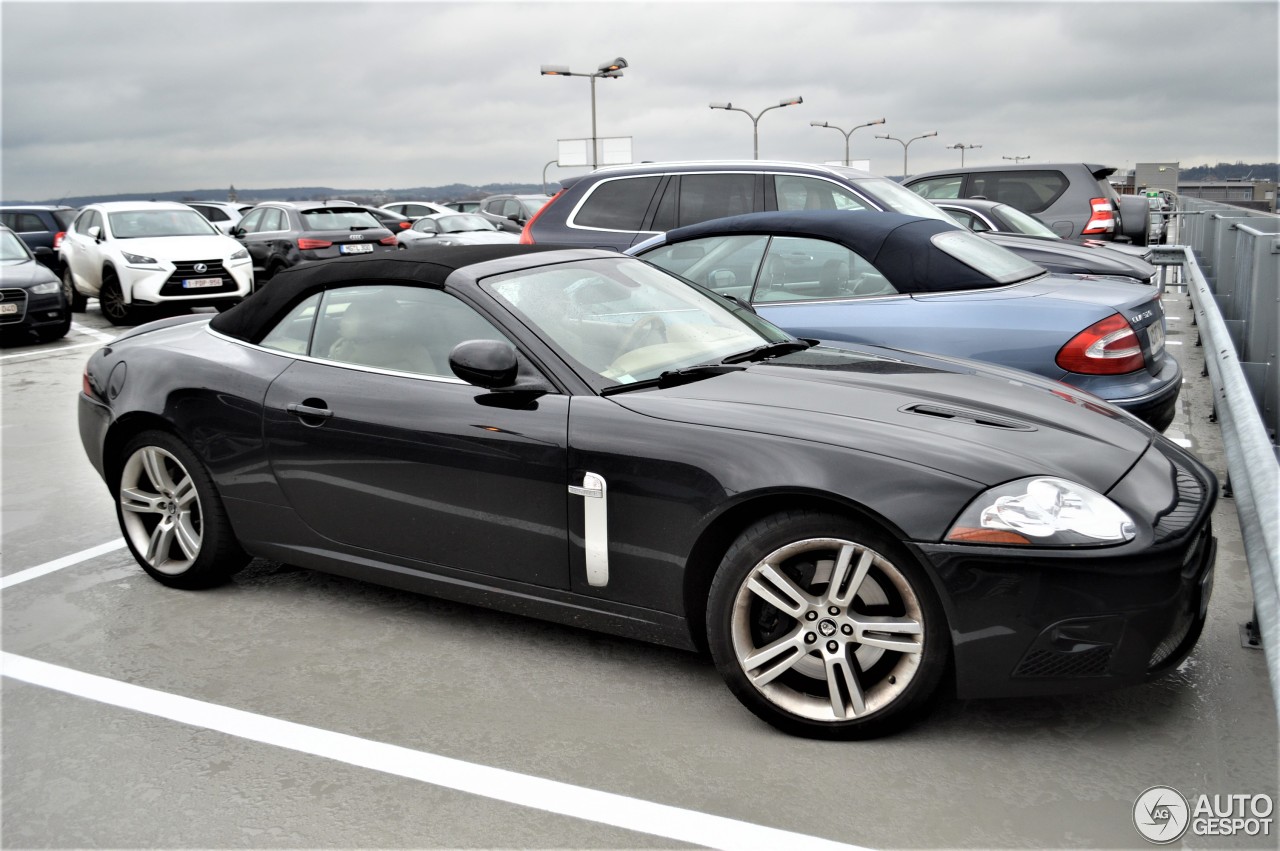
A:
1251,194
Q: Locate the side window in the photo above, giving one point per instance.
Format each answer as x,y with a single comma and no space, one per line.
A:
714,196
726,264
293,333
966,219
402,329
494,207
801,269
215,214
252,220
947,186
273,219
28,223
9,220
797,192
618,204
92,219
1029,191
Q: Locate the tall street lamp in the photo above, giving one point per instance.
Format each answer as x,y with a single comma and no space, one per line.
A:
755,119
608,70
962,147
847,134
906,145
1017,160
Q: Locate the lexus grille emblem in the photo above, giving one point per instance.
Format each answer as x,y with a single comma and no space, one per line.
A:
202,268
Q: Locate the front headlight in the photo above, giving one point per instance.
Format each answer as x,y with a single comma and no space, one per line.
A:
138,259
46,288
1042,512
242,254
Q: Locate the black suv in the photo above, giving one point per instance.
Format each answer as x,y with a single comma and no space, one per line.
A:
41,227
1075,199
280,234
621,206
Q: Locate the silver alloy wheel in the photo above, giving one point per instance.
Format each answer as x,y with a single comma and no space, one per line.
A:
836,661
160,510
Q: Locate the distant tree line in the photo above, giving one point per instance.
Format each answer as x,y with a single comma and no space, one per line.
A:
1232,171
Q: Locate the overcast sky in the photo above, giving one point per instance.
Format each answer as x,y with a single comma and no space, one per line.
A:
103,98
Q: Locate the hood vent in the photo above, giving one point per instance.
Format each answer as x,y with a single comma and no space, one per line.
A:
970,417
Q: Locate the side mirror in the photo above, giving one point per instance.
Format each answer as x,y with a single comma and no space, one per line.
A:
94,232
491,364
236,231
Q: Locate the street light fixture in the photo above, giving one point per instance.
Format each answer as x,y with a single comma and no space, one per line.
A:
609,71
847,134
962,147
906,145
1017,160
755,119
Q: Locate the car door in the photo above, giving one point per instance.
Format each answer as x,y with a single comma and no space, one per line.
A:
81,249
377,445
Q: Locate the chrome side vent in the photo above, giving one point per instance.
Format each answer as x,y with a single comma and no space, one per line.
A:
969,417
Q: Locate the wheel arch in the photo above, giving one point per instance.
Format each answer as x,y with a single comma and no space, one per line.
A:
118,436
715,539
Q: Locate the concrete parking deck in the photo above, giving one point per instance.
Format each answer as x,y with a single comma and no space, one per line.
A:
259,715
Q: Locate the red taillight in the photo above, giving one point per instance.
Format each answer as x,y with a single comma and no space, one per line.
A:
86,386
1102,218
57,239
1109,347
387,240
306,243
405,225
526,235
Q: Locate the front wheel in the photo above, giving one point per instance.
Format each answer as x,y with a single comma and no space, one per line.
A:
826,628
171,515
111,299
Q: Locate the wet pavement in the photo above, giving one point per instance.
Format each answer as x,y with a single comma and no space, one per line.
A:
649,724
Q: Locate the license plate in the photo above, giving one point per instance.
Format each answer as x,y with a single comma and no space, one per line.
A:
358,248
8,308
1155,335
197,283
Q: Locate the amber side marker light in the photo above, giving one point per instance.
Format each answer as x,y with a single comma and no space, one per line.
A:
969,535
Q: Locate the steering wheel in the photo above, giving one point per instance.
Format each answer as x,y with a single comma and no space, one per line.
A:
644,326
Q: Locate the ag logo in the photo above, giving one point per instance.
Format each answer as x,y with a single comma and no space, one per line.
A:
1161,815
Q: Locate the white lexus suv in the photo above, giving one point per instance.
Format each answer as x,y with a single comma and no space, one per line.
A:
138,254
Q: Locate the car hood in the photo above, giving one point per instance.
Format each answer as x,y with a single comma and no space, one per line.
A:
1062,256
988,425
180,247
27,273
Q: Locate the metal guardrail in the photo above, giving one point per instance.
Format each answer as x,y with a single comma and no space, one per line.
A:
1236,299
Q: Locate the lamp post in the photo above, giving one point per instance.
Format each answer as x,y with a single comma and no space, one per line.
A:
847,134
962,147
755,119
906,145
1017,160
609,71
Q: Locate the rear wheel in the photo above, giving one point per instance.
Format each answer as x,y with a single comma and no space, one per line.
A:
826,628
171,515
111,299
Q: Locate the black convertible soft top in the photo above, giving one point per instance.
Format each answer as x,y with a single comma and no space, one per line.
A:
258,313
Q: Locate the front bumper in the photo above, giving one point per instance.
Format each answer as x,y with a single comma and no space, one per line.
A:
163,285
1026,622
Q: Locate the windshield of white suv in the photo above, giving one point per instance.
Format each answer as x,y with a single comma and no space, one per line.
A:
142,224
12,249
625,321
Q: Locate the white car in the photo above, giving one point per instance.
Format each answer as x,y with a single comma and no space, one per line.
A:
223,215
132,254
417,209
453,229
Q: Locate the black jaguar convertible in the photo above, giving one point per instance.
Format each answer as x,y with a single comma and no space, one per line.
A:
580,436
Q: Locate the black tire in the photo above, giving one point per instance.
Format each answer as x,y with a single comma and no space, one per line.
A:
57,332
171,515
828,634
111,299
75,300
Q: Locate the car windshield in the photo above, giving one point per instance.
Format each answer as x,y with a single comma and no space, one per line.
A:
12,249
997,263
535,204
899,199
622,320
1025,222
463,223
144,224
338,218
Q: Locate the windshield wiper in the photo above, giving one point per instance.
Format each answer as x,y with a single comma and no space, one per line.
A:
675,377
770,350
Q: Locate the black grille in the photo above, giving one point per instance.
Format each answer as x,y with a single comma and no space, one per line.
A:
1056,663
1179,517
13,295
186,269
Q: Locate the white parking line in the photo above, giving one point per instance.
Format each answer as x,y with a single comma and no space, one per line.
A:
93,332
59,563
495,783
45,352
